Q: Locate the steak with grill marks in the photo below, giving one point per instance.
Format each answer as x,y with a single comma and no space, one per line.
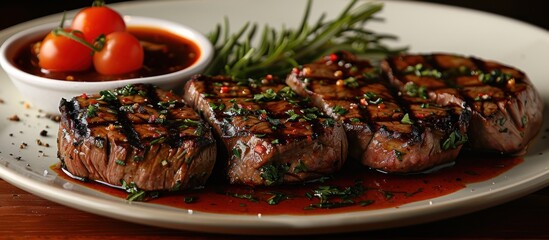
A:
138,135
387,130
506,109
270,134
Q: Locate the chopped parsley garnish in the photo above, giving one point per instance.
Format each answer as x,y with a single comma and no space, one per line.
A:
120,162
167,105
398,154
266,96
273,174
127,90
248,196
300,167
406,119
107,95
413,90
494,76
335,197
339,110
420,71
373,98
350,82
92,111
276,198
136,194
157,140
293,116
219,106
238,149
454,140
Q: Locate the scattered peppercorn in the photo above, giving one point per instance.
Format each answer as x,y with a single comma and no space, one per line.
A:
43,133
14,118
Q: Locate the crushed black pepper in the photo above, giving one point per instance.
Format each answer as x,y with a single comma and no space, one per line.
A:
43,133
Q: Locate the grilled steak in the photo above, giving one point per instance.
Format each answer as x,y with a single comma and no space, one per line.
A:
386,130
137,135
271,136
506,109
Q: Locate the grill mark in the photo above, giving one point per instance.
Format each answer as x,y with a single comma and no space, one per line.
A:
172,138
80,123
277,133
127,126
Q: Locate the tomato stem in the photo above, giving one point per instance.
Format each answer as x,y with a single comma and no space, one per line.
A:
98,3
60,32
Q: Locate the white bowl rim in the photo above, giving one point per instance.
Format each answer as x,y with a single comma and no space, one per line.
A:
204,45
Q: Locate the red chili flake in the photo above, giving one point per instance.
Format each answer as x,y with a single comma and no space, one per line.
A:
152,118
100,114
126,100
260,149
84,96
420,115
381,106
224,89
93,101
295,70
364,102
333,57
340,83
269,77
309,138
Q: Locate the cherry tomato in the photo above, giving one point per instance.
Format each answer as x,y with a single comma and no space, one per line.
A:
96,20
121,53
59,53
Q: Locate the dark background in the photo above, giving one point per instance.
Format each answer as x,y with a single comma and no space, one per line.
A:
534,12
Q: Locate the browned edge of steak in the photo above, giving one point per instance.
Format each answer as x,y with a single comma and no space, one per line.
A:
507,109
138,135
270,134
386,130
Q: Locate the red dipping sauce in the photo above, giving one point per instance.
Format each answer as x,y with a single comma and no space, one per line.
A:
165,52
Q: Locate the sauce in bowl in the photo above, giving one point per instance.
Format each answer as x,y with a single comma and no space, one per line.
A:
165,53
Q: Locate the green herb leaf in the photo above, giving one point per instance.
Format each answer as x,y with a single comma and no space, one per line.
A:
455,139
339,110
406,119
279,50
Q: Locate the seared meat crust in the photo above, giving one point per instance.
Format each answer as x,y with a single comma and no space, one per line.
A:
387,129
506,109
138,135
270,134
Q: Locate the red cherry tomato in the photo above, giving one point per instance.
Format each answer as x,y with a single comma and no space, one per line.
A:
96,20
59,53
121,53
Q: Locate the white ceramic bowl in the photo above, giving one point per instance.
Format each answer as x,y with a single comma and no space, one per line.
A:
45,94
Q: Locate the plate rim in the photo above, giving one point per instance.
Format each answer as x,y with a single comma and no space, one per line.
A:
271,224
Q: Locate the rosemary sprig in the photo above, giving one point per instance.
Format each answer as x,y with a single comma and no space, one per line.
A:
279,50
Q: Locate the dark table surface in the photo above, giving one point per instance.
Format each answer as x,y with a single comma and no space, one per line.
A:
23,215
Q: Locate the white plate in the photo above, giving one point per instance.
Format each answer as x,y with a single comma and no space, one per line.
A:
424,27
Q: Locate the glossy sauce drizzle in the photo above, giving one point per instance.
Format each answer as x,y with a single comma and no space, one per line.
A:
377,190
